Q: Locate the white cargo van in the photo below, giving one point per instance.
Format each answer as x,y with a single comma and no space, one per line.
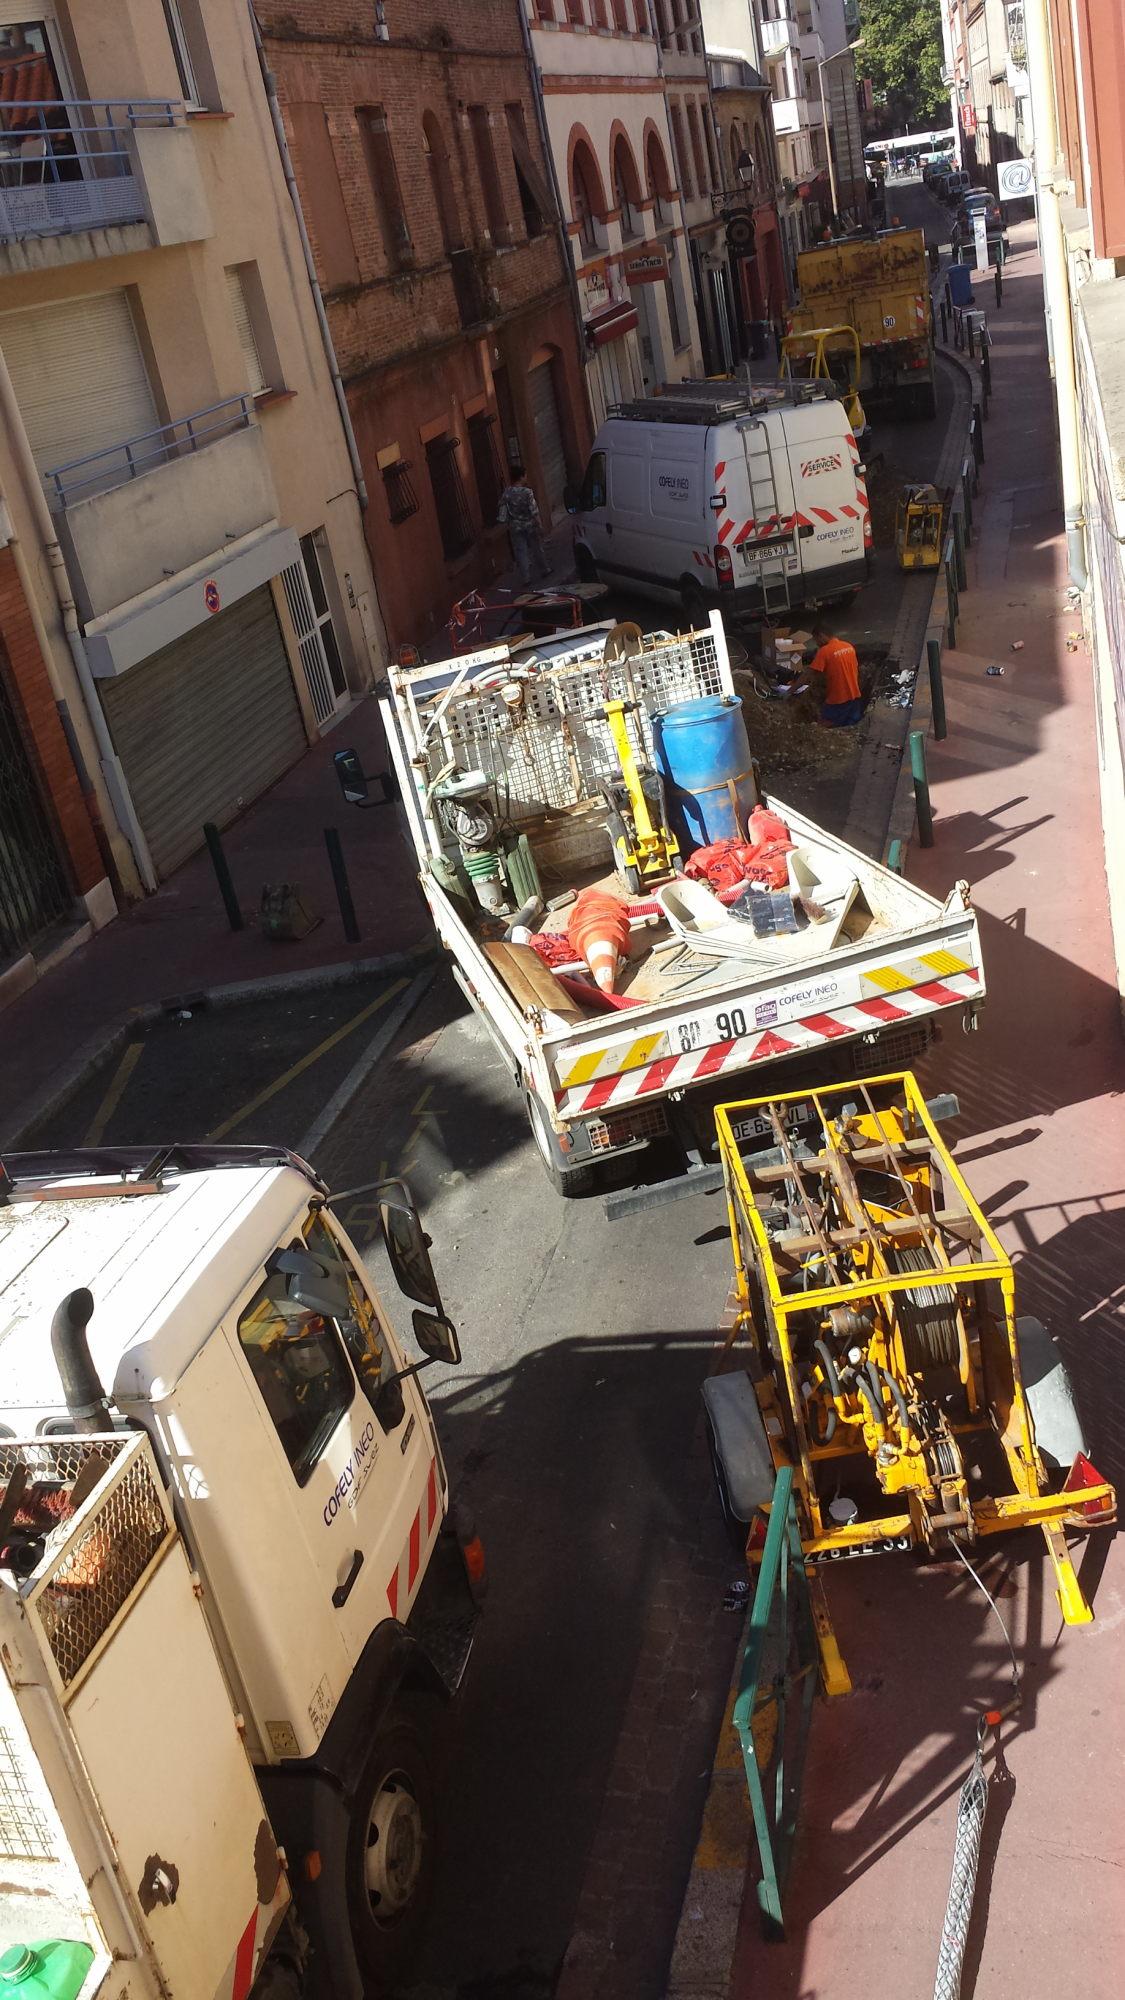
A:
715,495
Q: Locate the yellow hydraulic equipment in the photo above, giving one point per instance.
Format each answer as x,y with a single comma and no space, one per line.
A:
885,1352
918,520
644,846
827,354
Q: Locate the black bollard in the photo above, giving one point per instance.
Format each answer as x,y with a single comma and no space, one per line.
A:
944,311
999,284
918,772
978,433
985,368
341,884
937,688
223,875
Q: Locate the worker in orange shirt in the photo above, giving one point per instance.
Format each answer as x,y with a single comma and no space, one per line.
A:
836,660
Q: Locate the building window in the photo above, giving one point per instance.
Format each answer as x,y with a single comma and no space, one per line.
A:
626,191
402,501
322,195
658,185
576,12
535,200
697,149
709,139
307,598
601,17
483,147
441,183
486,464
383,175
450,504
247,304
192,54
621,16
583,200
683,168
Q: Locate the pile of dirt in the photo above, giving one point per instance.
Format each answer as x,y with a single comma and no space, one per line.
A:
786,735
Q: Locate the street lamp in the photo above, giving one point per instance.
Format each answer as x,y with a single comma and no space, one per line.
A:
820,69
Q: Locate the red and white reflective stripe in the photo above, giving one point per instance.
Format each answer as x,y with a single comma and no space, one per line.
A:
824,513
849,513
679,1071
720,469
400,1589
244,1961
725,528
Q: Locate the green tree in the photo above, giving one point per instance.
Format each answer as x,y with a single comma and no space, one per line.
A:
902,55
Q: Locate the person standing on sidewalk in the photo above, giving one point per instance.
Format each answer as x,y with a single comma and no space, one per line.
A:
519,511
836,660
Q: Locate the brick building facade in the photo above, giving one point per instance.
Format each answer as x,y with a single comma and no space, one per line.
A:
436,237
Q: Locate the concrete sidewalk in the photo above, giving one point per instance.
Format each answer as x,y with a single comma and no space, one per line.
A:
1042,1140
178,942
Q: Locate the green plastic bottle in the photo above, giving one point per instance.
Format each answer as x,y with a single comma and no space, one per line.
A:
51,1969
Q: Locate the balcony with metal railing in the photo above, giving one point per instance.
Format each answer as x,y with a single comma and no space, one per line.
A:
88,178
135,514
790,114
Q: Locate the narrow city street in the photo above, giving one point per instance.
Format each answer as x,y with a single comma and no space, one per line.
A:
586,1731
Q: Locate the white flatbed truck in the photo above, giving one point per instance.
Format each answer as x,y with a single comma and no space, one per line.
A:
232,1609
530,720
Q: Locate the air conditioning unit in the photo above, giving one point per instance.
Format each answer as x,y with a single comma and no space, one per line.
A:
948,78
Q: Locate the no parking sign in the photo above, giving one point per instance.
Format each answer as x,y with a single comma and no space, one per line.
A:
211,596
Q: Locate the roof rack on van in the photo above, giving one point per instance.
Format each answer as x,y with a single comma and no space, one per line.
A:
129,1169
718,402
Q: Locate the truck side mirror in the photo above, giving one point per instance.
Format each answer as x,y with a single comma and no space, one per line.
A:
408,1248
437,1337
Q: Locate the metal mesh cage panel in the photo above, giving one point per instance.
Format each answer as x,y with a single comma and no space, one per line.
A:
25,1833
554,747
100,1568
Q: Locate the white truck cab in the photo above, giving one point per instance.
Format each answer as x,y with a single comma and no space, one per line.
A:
213,1301
712,495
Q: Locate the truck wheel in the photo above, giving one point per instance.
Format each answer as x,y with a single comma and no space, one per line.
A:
570,1182
391,1844
694,605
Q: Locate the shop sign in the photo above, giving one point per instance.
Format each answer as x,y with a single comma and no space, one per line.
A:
647,265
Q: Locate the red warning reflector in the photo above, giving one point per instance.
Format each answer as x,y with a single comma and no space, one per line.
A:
1083,1474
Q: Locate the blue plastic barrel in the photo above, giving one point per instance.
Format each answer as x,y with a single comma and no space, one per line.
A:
704,753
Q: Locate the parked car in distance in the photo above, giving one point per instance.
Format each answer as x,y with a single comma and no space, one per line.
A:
978,201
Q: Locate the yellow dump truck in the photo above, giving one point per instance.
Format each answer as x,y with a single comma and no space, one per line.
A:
879,285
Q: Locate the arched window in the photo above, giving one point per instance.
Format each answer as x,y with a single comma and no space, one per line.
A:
626,188
441,183
659,184
585,196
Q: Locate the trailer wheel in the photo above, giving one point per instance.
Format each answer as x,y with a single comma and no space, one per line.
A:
570,1182
390,1861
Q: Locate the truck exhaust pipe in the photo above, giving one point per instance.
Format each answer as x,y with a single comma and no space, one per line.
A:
85,1397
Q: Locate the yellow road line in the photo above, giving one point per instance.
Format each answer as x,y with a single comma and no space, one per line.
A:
306,1062
129,1060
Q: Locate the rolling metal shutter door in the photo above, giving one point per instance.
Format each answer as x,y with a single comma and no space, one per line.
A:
205,725
545,413
79,376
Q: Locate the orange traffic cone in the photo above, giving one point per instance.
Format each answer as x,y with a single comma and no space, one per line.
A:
599,932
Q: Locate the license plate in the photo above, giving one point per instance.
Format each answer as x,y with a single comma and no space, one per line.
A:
762,1128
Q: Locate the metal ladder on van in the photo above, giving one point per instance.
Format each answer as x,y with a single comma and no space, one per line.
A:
772,573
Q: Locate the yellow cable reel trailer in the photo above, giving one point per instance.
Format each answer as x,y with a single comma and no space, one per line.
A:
887,1365
827,354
